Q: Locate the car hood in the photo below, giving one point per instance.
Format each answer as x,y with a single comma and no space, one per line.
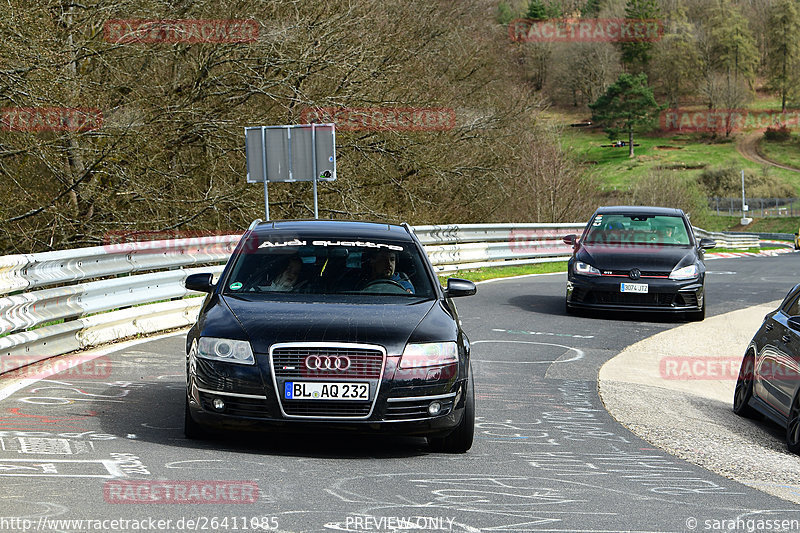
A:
622,257
386,324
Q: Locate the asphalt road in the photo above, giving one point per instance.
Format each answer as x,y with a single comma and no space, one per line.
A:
104,441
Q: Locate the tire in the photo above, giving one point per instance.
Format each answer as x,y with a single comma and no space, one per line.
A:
793,427
191,429
460,440
744,388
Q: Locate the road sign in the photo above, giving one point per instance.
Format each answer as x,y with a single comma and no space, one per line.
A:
292,153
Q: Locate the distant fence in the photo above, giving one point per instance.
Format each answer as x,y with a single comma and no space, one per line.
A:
53,303
761,207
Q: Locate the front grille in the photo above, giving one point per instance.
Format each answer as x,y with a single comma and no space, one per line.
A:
323,408
625,298
235,406
414,409
290,362
645,273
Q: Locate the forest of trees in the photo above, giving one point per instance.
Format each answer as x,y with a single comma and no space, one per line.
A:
717,53
162,146
169,153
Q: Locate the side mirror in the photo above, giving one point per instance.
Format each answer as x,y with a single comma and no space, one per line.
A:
199,282
570,239
460,287
707,244
794,323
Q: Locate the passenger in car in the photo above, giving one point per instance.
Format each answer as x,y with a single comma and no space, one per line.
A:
289,278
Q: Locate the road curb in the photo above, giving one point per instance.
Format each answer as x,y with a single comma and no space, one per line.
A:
692,418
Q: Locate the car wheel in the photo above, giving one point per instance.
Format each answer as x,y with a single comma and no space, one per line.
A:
744,388
460,440
793,427
191,429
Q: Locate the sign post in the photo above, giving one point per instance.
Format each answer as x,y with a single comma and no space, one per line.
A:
290,154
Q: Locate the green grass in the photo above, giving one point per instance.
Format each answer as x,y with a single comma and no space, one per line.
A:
784,152
685,153
483,274
758,225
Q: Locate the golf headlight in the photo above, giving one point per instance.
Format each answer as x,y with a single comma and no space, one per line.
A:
687,272
429,354
585,269
228,350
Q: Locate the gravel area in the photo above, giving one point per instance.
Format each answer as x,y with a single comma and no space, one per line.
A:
675,391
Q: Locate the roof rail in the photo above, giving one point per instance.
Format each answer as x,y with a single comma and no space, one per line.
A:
254,223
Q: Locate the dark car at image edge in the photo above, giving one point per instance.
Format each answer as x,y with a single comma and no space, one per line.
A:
637,258
769,377
363,339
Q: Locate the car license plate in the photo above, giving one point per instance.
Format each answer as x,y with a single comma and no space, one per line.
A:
633,287
315,390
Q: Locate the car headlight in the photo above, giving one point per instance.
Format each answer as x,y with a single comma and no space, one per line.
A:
228,350
429,354
585,269
687,272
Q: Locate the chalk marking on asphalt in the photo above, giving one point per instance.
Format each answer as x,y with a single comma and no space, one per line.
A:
578,353
15,386
546,333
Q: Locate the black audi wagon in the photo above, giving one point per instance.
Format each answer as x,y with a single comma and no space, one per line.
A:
331,324
638,258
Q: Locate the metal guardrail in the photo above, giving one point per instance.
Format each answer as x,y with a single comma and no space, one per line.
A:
729,240
469,246
71,286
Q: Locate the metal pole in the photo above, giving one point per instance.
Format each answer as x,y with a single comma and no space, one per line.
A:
743,199
266,188
314,166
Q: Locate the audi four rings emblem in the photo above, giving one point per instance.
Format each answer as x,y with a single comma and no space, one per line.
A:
327,362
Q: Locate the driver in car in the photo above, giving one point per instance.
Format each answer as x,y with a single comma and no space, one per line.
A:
382,265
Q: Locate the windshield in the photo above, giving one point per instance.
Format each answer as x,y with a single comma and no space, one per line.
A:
637,229
307,265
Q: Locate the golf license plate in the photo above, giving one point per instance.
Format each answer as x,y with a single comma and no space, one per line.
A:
317,390
633,287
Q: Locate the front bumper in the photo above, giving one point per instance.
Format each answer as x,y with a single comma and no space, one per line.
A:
398,406
663,295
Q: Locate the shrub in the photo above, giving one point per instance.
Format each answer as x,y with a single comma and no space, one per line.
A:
781,133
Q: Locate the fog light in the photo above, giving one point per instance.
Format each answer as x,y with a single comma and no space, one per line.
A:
219,404
434,408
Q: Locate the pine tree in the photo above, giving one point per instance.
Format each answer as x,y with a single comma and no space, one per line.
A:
626,106
783,53
636,54
591,9
537,10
